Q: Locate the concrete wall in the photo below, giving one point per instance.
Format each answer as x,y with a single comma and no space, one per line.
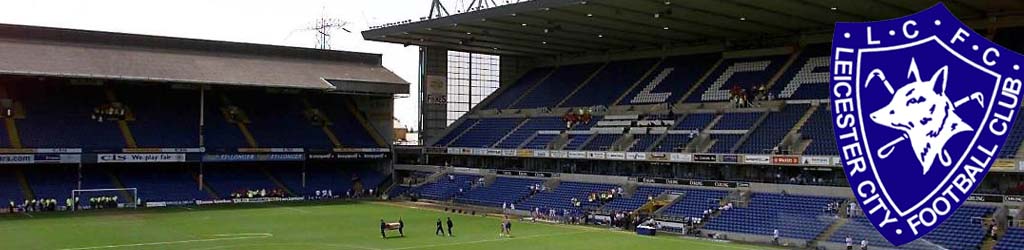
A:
433,120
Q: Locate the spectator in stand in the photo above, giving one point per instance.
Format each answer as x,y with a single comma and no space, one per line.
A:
775,236
864,244
849,243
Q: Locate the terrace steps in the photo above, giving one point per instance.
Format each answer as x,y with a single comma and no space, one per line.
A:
118,184
26,189
824,236
205,186
532,87
277,182
793,135
456,138
782,70
701,143
359,115
12,132
326,124
122,125
744,137
510,132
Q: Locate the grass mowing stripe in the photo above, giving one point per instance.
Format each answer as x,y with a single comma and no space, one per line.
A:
223,237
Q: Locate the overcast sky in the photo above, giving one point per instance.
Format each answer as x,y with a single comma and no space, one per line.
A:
251,21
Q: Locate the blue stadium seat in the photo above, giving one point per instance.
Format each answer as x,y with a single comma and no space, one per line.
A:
559,85
444,188
504,190
163,184
807,77
685,71
610,83
532,125
818,129
1012,239
801,217
737,121
58,122
447,139
161,121
561,197
744,72
486,132
723,143
773,129
694,202
514,91
601,142
643,141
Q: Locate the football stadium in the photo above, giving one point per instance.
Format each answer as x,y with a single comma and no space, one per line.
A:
541,124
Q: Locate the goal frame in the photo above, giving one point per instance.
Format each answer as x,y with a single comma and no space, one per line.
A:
129,203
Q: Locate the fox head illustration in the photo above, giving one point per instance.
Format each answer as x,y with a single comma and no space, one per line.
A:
923,112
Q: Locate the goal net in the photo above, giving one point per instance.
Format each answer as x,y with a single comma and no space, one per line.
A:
104,198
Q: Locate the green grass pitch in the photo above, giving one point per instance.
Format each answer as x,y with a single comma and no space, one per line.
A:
347,226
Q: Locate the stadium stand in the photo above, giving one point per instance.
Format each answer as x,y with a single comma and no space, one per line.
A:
772,130
345,121
269,114
57,122
677,75
818,130
448,138
231,179
723,143
521,86
575,142
963,230
54,182
504,190
737,121
444,188
518,136
808,78
643,142
1012,239
1013,141
609,83
801,217
601,142
639,198
859,228
744,72
561,83
560,197
540,141
694,202
163,184
486,132
158,118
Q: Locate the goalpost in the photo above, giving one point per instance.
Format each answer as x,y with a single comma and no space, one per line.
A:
83,195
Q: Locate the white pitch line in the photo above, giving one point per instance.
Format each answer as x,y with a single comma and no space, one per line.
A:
224,237
297,210
489,240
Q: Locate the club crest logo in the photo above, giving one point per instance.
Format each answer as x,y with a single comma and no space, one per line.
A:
922,106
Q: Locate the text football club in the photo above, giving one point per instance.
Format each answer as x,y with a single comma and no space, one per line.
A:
921,105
